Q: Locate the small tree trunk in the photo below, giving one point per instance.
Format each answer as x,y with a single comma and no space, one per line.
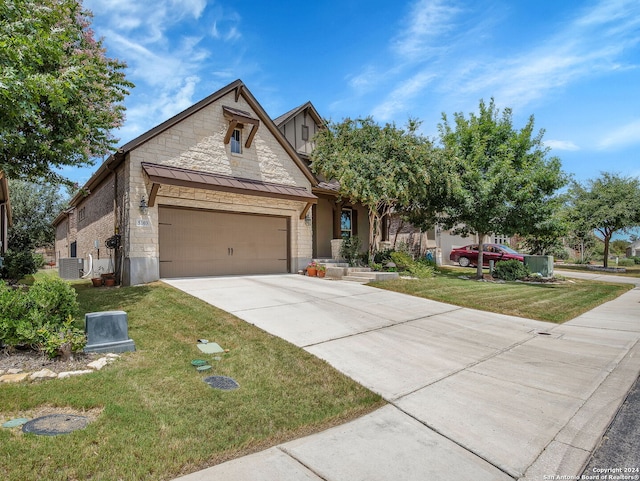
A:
395,238
607,238
480,255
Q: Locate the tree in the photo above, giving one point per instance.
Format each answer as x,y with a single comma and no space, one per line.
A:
34,207
504,182
608,204
618,246
379,167
60,95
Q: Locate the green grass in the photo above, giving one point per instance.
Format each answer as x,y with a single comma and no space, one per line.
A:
631,271
545,302
158,419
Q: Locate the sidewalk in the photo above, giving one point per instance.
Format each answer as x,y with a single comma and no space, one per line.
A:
472,395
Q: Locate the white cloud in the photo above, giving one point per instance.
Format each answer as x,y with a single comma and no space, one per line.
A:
623,136
398,100
428,20
561,145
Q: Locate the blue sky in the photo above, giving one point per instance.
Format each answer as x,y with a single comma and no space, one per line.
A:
573,64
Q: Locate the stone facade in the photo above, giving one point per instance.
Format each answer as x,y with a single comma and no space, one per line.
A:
196,143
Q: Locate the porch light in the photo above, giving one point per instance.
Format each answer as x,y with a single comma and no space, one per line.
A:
144,208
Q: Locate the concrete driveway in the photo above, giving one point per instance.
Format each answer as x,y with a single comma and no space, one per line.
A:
472,395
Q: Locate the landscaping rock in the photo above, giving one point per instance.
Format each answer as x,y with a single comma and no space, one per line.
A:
43,374
64,375
14,377
14,371
98,363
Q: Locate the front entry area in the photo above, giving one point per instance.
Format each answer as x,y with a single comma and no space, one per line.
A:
210,243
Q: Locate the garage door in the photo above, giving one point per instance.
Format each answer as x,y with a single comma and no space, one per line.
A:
207,243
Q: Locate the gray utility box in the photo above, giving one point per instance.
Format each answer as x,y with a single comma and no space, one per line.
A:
70,268
542,265
107,332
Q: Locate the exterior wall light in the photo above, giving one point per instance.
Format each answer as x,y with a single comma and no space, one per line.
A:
144,208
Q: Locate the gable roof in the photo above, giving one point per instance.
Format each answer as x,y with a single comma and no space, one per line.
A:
284,118
239,89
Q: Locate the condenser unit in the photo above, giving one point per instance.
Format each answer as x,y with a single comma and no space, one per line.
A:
70,268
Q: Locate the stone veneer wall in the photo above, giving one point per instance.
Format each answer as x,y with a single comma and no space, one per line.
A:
196,143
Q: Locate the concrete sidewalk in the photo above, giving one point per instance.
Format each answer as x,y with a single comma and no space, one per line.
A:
472,395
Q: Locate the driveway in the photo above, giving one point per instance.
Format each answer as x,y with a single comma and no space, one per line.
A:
472,395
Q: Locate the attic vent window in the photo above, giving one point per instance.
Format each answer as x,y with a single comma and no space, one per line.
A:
238,119
305,132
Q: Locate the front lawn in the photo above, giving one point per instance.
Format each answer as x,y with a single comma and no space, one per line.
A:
545,302
631,271
155,417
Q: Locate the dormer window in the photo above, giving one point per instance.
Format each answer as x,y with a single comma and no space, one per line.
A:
236,141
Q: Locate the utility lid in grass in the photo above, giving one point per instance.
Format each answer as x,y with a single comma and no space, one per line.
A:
222,382
14,423
210,348
54,424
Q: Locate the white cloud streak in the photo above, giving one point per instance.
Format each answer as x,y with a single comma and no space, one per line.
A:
623,136
561,145
436,45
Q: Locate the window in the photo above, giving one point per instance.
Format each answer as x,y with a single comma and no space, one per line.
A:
346,223
82,214
305,132
501,239
236,142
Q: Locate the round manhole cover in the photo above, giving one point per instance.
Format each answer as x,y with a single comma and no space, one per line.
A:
54,424
222,382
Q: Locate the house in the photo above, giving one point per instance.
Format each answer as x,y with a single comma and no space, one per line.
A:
5,214
332,218
633,250
218,189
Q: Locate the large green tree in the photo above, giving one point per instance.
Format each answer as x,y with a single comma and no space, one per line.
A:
503,182
608,204
60,95
34,207
381,167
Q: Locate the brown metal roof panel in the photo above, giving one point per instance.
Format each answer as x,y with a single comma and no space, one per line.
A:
206,180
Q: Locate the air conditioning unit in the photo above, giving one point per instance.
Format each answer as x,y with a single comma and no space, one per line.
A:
70,268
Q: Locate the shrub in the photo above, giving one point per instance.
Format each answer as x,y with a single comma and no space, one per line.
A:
623,262
41,317
383,256
38,260
402,260
422,270
510,270
636,259
18,264
350,250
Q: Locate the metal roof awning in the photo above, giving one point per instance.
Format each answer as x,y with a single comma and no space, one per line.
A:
162,174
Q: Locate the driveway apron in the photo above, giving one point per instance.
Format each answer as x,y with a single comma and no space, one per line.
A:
472,395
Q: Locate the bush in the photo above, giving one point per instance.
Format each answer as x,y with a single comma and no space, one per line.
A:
18,264
623,262
402,260
636,259
422,269
38,260
350,250
383,256
41,317
510,270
